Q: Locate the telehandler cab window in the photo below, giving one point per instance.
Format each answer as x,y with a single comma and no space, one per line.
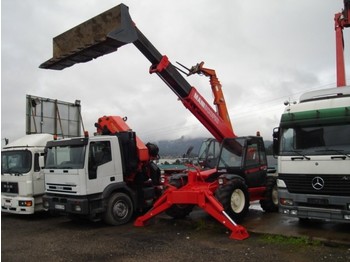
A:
255,154
231,154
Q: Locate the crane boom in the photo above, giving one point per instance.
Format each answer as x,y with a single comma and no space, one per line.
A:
114,28
110,125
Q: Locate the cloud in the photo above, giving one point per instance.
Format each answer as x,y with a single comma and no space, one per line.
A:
264,52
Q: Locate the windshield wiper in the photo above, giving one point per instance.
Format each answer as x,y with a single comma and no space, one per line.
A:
340,152
300,154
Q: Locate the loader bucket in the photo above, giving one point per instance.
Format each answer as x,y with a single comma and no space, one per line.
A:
98,36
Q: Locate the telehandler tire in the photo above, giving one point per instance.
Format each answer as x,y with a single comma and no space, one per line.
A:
119,209
234,198
270,203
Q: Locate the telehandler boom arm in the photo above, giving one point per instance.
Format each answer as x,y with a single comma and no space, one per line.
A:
114,28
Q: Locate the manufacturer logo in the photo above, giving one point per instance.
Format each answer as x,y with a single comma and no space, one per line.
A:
205,107
317,183
7,187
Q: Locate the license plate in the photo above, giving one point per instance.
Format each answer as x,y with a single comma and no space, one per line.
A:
60,207
317,201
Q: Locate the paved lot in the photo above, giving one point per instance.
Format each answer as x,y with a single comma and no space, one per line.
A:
197,238
331,233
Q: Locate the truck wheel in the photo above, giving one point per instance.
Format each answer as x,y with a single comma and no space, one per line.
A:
119,209
234,198
270,203
178,210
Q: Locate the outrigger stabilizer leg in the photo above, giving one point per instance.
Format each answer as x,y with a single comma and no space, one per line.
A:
197,193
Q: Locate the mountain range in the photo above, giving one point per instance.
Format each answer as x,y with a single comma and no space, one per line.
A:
180,146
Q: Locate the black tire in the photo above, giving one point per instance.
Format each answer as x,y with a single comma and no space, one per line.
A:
234,198
270,203
119,209
179,211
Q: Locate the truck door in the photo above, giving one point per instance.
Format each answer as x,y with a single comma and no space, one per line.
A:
255,163
38,177
100,166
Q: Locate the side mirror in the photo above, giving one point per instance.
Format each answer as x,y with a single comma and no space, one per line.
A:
276,141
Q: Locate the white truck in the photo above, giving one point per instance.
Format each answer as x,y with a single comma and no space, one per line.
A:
109,177
22,180
313,148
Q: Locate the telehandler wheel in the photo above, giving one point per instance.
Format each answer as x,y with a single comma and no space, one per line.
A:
179,210
270,203
234,198
119,209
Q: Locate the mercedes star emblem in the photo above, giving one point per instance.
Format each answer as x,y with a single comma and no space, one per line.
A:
317,183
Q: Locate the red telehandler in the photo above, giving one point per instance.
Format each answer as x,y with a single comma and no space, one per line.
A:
238,170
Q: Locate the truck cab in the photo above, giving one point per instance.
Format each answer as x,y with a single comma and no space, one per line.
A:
22,180
313,148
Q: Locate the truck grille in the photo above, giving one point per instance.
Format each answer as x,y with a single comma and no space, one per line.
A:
61,188
318,184
9,187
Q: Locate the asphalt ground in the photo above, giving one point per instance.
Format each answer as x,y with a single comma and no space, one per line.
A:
199,237
278,224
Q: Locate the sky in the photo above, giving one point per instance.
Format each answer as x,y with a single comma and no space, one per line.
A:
263,52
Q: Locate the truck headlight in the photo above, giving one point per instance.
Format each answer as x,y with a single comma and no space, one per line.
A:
286,202
25,203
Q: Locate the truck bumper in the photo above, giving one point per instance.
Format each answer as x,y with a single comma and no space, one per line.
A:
19,205
70,205
324,207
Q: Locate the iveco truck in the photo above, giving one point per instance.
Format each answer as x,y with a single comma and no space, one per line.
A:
313,148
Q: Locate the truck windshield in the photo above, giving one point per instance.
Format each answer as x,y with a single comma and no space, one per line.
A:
65,157
316,140
16,162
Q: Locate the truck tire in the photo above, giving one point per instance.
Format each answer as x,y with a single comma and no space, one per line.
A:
270,203
234,198
119,209
179,210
